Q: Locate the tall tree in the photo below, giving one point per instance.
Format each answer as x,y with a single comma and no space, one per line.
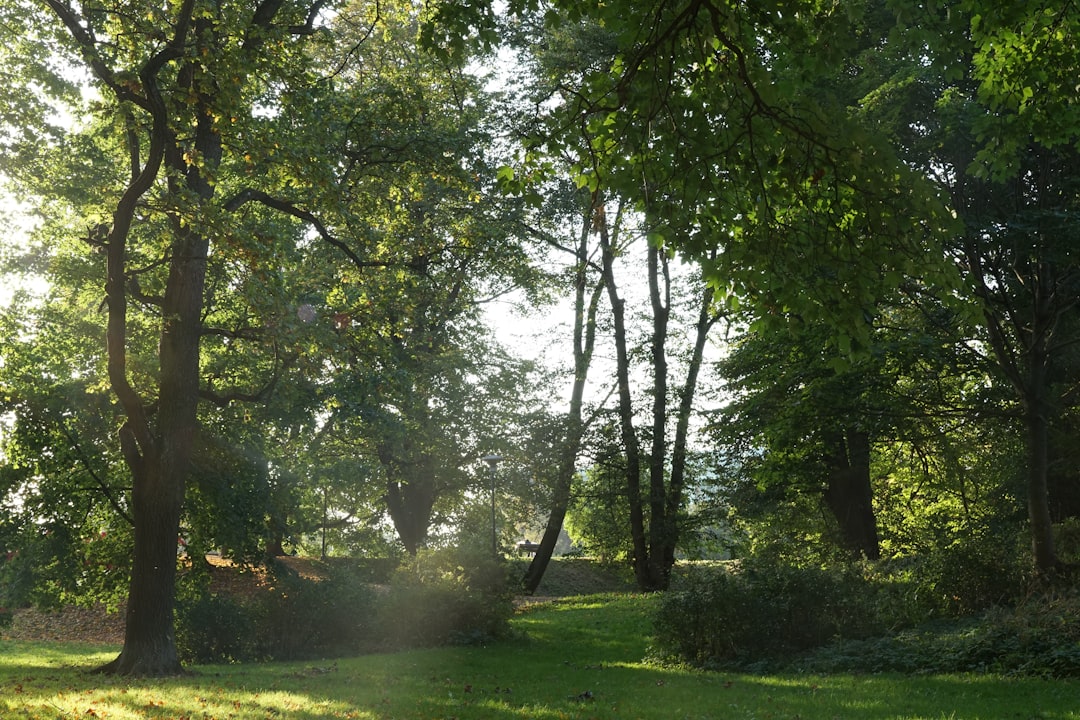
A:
587,294
183,93
567,65
414,384
977,99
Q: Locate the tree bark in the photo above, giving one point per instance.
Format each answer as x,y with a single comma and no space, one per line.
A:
705,321
662,530
410,504
1037,411
149,641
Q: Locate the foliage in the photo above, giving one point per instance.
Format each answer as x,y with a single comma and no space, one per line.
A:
749,612
598,517
977,569
768,613
214,629
1040,637
293,617
440,597
450,595
300,617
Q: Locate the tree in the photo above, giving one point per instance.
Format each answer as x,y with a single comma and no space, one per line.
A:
587,294
413,384
566,65
179,91
977,100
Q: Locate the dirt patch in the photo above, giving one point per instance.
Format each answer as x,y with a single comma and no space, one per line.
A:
71,624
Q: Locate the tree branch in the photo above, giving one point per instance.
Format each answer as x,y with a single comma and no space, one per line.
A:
250,195
84,460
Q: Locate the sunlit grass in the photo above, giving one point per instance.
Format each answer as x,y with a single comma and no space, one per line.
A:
575,659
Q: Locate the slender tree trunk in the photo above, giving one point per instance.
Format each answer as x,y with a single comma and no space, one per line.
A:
705,321
662,531
628,433
584,342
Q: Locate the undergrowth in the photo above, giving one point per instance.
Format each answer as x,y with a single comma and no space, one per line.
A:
764,617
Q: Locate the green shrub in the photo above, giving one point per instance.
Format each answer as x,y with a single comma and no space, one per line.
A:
214,629
1040,637
302,618
973,574
448,596
757,611
7,617
293,618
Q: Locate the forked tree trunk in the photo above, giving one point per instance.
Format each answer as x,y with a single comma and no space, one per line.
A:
410,502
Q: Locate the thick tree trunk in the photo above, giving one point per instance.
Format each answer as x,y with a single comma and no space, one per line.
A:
1036,420
849,494
149,641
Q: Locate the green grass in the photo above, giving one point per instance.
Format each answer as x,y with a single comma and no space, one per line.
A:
576,658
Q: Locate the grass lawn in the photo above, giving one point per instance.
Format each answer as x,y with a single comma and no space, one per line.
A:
577,658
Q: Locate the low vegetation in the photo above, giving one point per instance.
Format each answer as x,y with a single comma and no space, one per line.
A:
571,658
769,617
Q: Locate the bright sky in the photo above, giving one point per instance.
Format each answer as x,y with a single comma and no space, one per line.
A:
16,224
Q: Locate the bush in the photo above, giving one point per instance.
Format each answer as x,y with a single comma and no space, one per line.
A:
448,596
1040,637
755,612
7,617
304,618
974,573
214,629
293,618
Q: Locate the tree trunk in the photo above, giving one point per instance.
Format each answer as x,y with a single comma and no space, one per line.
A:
410,497
149,641
628,434
584,342
705,321
849,494
1036,420
662,530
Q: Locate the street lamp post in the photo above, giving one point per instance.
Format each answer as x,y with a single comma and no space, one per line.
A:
492,461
